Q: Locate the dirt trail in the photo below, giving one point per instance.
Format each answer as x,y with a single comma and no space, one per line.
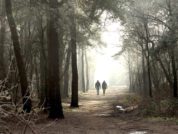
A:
98,115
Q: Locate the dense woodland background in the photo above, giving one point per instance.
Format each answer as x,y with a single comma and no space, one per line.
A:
44,43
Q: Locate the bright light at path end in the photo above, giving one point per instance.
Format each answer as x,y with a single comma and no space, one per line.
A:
113,71
102,68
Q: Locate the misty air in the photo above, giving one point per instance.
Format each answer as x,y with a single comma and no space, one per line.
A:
88,66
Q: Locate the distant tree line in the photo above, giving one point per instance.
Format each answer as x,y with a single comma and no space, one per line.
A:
151,46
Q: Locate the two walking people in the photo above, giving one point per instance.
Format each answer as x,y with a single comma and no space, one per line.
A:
98,86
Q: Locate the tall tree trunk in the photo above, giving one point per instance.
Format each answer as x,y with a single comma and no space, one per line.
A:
173,41
174,72
74,98
2,38
43,79
149,72
87,72
61,59
148,59
66,73
144,84
55,105
130,73
83,71
18,56
149,77
37,86
28,52
166,73
43,70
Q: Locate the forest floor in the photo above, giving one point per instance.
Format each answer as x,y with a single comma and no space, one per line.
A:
97,115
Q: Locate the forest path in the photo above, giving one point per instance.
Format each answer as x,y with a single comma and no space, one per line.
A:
98,115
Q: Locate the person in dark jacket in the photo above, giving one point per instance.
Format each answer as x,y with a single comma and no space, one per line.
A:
104,87
97,86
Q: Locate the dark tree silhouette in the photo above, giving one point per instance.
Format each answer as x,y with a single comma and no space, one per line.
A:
55,106
20,64
74,98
